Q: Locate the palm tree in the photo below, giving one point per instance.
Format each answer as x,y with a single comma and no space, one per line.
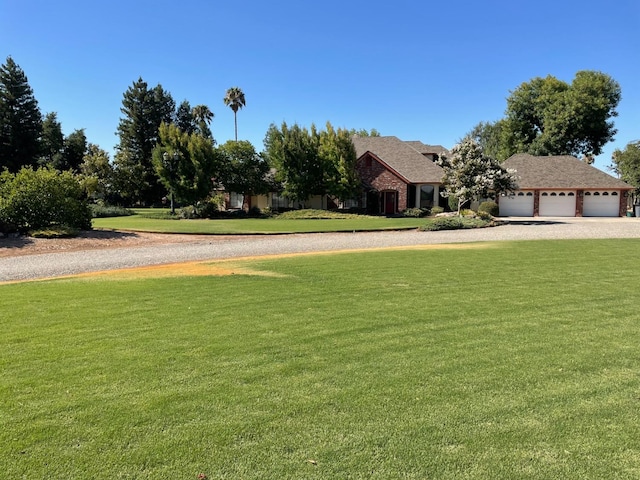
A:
203,116
234,98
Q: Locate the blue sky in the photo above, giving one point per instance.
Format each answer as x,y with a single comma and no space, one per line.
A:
415,69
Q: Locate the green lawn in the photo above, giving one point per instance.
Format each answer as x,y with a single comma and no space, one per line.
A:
146,222
510,360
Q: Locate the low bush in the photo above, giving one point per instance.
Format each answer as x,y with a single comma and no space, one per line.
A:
489,207
42,198
436,210
416,212
453,223
106,211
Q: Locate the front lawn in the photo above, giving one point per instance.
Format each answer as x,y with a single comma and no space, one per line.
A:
154,220
503,360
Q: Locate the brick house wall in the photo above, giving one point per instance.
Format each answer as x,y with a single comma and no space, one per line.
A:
376,176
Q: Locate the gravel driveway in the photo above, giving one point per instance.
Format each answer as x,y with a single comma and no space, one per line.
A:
26,267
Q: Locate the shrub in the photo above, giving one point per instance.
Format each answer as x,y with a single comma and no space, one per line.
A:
453,223
104,211
436,210
466,212
489,207
416,212
38,199
54,232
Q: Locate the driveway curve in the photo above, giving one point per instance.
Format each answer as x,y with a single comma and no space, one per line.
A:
48,265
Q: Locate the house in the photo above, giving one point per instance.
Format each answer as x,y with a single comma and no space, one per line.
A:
398,175
562,186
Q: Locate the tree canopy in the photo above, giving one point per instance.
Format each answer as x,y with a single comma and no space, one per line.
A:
234,99
143,109
626,164
470,174
547,116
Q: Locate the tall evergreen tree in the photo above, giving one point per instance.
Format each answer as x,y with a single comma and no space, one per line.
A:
20,119
184,118
144,110
52,141
75,148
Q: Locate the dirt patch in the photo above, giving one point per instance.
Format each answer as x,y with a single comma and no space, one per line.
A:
90,240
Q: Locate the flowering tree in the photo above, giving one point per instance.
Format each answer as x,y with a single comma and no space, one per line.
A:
469,174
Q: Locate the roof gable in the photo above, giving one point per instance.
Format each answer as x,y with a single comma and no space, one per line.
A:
559,171
400,157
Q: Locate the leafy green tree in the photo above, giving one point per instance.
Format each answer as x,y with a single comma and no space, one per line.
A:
234,98
626,164
52,141
293,153
144,109
96,172
469,174
547,116
338,155
186,163
20,119
247,171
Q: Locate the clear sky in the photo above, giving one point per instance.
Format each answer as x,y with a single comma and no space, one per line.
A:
416,69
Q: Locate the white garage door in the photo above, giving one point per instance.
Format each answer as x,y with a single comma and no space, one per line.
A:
601,204
557,204
519,204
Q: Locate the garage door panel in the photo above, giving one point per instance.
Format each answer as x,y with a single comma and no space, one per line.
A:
557,204
601,203
520,204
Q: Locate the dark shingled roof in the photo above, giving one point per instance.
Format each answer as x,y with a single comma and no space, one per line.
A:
400,157
427,149
561,171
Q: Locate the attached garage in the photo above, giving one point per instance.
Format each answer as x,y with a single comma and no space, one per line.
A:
565,186
602,203
518,204
557,204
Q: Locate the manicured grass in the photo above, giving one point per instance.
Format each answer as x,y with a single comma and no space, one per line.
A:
509,360
146,221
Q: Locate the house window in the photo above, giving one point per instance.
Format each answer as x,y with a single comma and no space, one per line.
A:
278,202
235,200
426,196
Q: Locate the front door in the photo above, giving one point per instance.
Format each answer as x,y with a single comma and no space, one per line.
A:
390,202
